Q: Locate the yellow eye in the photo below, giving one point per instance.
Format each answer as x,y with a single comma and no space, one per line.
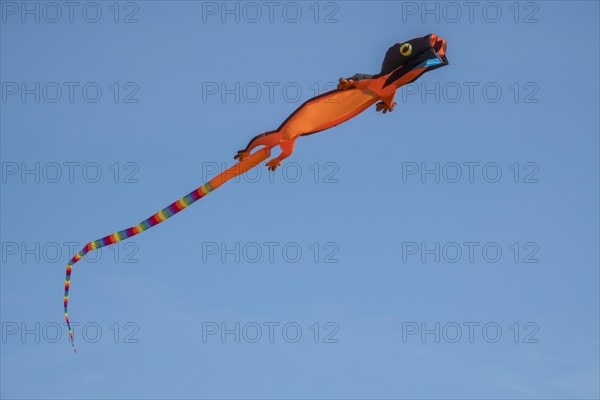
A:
405,49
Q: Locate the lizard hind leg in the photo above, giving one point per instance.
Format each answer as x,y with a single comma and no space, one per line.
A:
287,148
267,139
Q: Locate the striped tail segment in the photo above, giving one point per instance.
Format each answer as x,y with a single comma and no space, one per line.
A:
159,217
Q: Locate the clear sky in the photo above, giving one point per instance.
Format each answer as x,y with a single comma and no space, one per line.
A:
446,250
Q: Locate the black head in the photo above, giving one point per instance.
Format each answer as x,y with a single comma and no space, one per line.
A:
413,53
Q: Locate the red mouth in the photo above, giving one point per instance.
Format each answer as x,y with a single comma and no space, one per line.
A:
438,44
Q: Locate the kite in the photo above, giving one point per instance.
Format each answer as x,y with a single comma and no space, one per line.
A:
403,63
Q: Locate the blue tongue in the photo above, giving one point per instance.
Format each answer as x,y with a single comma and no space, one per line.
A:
433,61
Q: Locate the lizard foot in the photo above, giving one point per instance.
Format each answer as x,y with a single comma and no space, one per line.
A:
381,106
273,164
345,83
241,155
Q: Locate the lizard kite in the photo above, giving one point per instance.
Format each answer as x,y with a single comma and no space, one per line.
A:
403,63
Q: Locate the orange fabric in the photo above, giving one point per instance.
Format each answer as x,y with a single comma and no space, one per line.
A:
327,111
241,167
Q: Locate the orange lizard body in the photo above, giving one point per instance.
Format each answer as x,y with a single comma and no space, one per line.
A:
403,64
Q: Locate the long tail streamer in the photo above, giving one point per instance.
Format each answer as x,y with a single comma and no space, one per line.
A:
159,217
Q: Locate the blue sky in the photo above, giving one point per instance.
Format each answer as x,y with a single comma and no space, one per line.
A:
446,250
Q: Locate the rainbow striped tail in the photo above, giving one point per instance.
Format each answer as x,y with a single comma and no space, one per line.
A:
164,214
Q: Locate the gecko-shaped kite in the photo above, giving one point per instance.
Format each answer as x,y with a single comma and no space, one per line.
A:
403,63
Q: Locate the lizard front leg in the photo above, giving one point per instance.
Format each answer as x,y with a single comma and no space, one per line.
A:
387,104
359,81
365,82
